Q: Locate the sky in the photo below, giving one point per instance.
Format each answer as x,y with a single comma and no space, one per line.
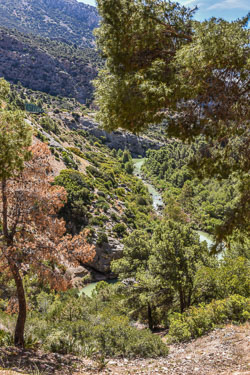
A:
227,9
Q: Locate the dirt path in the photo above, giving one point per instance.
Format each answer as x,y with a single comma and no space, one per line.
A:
224,351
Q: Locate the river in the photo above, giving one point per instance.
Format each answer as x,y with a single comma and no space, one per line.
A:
158,205
156,196
158,202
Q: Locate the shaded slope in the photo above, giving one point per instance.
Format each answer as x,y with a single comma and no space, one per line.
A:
63,19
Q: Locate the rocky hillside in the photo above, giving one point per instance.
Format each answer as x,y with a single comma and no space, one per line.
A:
77,117
48,65
64,20
103,195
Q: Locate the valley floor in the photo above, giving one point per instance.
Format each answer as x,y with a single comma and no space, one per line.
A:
224,351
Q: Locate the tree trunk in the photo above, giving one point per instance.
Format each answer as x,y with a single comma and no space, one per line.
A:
19,331
22,311
182,300
189,297
5,210
150,318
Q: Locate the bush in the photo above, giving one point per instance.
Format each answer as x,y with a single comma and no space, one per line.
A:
49,125
197,321
59,342
119,229
5,338
96,220
94,171
76,151
68,161
141,201
102,238
116,337
126,157
129,167
115,217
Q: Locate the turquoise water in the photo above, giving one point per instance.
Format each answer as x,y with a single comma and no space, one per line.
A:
156,196
206,237
87,290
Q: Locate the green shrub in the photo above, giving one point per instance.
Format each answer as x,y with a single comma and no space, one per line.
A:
129,167
101,193
119,229
179,329
94,171
68,161
141,201
96,220
6,338
101,238
120,191
102,205
198,320
59,342
115,217
79,196
116,337
42,137
76,151
49,125
126,157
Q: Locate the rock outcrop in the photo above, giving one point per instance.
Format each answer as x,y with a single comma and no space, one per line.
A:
137,145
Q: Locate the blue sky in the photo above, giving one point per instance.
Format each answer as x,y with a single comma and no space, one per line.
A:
227,9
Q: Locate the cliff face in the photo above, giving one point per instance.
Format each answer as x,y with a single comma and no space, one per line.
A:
137,145
53,67
63,19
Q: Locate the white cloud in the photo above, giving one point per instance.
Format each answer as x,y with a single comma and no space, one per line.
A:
230,4
190,3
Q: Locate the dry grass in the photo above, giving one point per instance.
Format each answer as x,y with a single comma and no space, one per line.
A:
224,351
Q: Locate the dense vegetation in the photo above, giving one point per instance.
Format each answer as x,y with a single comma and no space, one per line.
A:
205,203
193,75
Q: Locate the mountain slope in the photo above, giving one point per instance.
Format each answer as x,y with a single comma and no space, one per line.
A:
65,20
48,65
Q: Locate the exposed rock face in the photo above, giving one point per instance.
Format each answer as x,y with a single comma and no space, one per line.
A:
43,65
105,255
120,139
63,19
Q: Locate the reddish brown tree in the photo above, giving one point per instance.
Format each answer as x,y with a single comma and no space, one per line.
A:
32,237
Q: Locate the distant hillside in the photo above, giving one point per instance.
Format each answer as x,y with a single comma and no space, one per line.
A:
66,20
48,65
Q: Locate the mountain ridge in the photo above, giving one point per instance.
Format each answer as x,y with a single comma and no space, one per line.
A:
46,65
67,19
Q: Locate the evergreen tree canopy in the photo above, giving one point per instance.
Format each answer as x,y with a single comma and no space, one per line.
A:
161,65
15,137
139,39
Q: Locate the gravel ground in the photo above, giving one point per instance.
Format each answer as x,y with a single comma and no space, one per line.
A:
224,351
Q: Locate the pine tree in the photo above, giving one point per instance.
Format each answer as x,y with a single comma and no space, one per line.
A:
31,236
161,65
